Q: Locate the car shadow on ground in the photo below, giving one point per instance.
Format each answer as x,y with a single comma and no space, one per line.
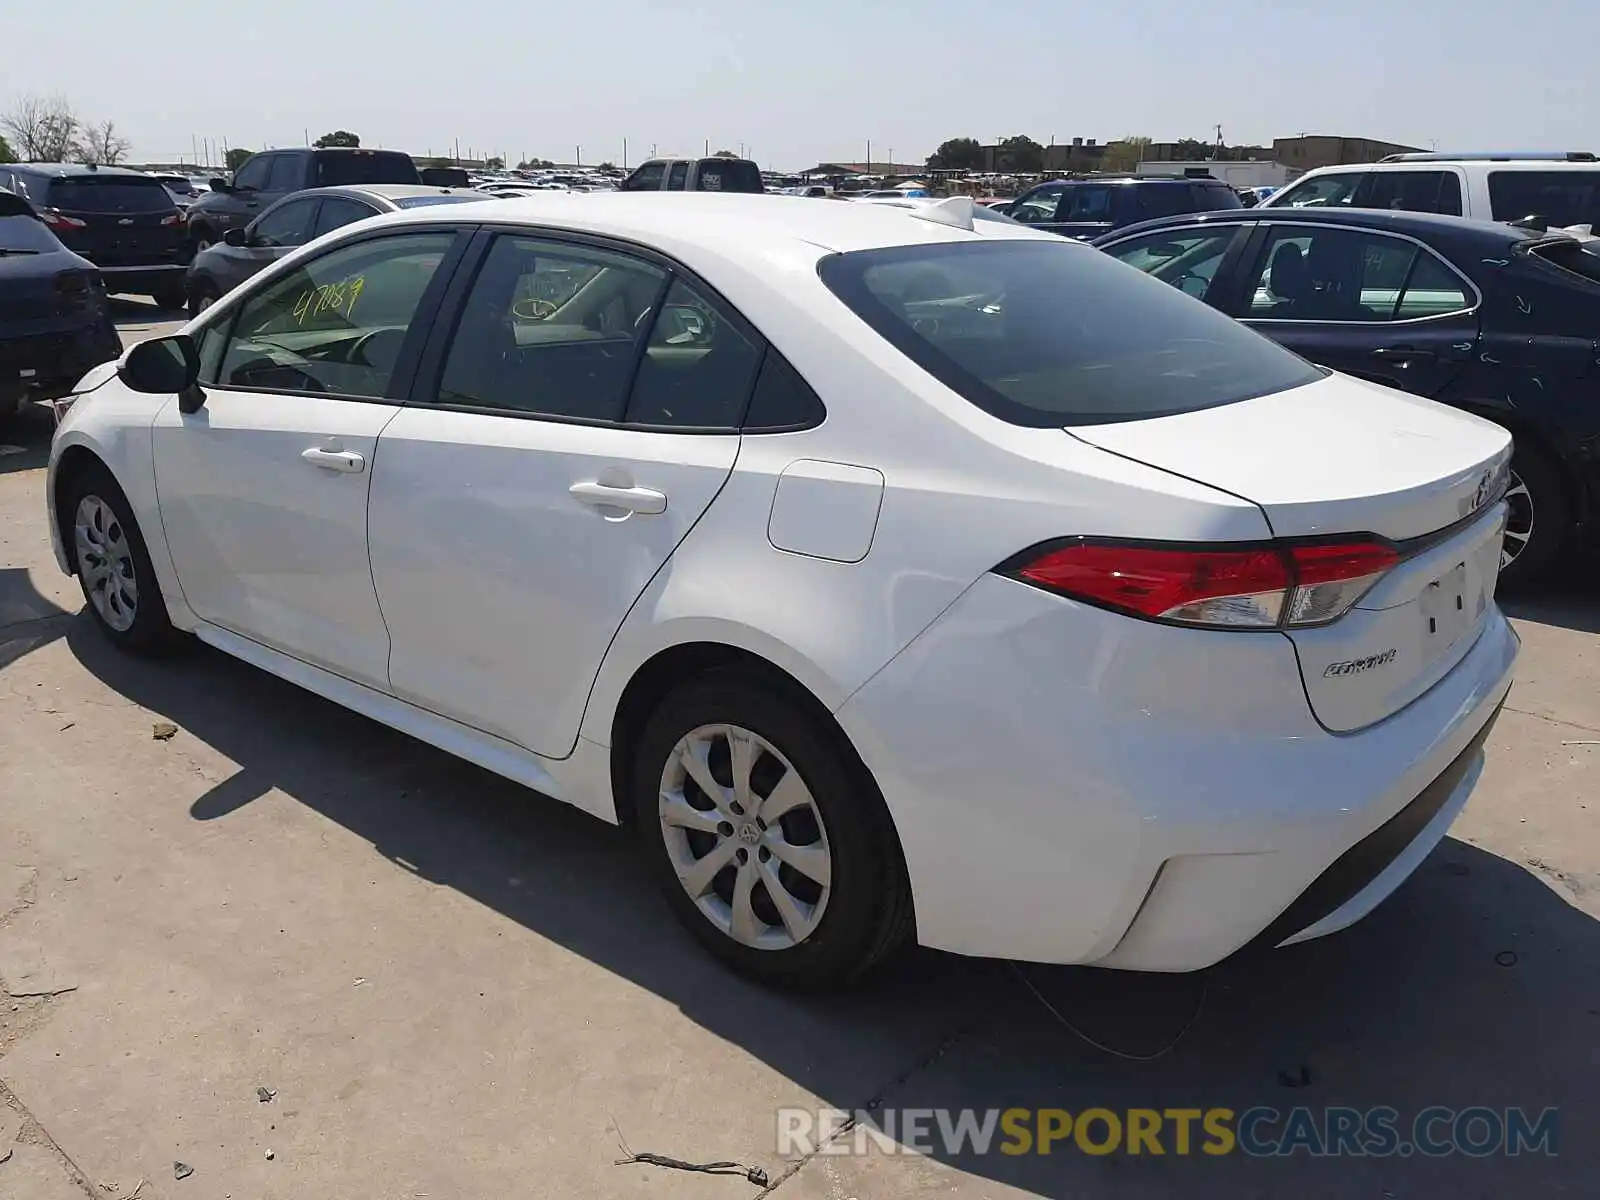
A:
136,312
1477,985
1569,597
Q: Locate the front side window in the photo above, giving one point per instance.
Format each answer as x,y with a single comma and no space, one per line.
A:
1045,334
646,179
336,324
551,329
1561,198
287,225
1186,258
252,177
1039,205
339,211
697,368
1410,191
1086,203
1324,191
1312,274
285,174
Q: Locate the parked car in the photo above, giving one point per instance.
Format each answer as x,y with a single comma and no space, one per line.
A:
264,179
296,220
124,222
952,580
183,190
1558,189
717,174
980,212
54,320
1088,208
1492,319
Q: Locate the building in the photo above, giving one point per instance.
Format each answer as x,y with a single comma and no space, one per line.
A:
1322,150
841,169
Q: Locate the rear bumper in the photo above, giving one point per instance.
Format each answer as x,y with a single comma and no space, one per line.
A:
44,366
143,280
1072,786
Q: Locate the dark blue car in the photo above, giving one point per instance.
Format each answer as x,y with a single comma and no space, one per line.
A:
1086,208
1501,321
55,322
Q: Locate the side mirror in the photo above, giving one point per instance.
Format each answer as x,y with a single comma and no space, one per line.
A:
163,366
219,185
236,237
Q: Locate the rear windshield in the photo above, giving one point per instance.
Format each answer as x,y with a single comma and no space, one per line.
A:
20,229
1560,197
109,194
1045,335
424,201
729,175
365,166
1581,258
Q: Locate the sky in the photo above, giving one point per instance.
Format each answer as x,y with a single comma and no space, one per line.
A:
798,84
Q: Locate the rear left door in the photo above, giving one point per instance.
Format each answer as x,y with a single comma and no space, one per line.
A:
1373,304
528,494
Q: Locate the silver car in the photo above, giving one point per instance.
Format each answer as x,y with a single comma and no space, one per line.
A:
296,220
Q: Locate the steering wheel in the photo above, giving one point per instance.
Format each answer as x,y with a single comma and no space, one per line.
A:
533,308
386,342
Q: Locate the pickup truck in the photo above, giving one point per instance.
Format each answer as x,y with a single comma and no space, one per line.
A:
716,174
265,178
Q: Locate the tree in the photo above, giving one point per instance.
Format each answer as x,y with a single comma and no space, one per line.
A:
495,163
724,154
100,143
1126,153
534,163
235,158
957,154
7,154
607,166
1192,150
1021,154
45,127
339,137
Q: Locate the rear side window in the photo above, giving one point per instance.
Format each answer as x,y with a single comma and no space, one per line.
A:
1560,197
728,175
1049,335
1210,197
365,166
678,177
1162,200
1085,203
109,194
782,400
1410,191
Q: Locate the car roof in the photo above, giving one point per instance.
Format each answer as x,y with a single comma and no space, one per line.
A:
1417,224
387,191
68,170
1433,164
724,225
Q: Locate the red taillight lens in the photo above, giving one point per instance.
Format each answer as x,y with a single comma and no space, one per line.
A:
59,220
1242,587
174,219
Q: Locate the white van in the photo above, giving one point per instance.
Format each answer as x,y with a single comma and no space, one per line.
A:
1558,189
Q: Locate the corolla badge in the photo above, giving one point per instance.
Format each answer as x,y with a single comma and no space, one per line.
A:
1358,666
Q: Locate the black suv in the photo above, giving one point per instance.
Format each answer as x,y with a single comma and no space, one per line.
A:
264,179
1088,208
124,222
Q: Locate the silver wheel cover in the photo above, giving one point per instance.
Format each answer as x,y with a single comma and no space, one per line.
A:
105,563
745,837
1519,521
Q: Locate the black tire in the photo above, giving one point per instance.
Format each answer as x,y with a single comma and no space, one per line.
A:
1546,503
150,632
201,237
173,297
202,293
868,913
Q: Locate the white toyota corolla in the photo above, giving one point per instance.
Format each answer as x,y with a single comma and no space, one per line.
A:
896,575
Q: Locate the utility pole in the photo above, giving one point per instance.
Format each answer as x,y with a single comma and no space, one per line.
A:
869,156
578,150
624,154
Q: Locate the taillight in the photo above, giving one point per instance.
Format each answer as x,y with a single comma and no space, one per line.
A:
74,290
57,219
174,219
1259,586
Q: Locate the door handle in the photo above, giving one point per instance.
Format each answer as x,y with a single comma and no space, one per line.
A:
645,501
1403,354
347,461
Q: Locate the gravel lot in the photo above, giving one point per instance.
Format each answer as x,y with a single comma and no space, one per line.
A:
457,989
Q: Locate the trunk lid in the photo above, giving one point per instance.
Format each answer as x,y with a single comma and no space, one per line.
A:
1342,456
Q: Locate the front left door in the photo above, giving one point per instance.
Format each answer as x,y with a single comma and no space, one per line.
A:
523,501
1371,304
264,489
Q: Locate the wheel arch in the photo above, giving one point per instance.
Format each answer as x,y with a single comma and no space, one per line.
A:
69,468
1525,432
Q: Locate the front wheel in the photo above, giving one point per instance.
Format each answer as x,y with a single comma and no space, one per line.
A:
1537,518
113,565
767,835
202,295
172,297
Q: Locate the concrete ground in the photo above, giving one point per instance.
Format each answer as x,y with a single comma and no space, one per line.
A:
453,988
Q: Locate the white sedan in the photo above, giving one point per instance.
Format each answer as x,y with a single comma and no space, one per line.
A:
897,576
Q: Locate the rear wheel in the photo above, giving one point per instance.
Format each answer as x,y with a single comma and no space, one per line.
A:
767,835
113,564
173,297
1537,517
202,238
